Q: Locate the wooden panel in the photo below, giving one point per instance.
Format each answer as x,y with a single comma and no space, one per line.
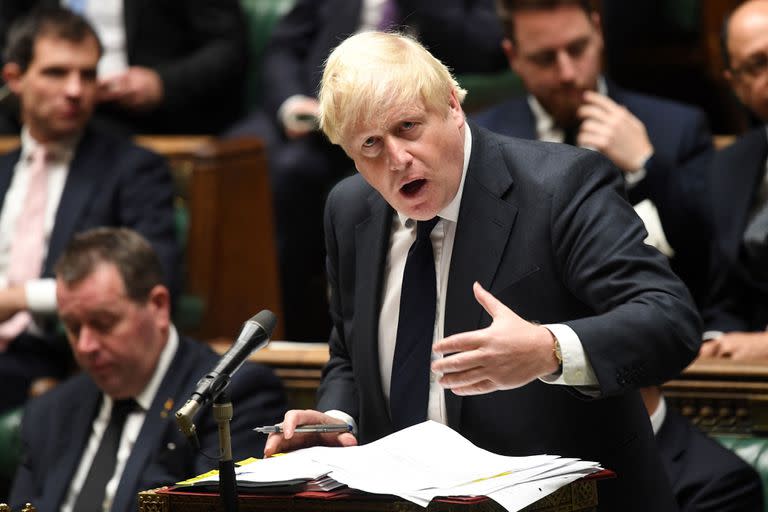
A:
723,396
299,366
581,495
231,256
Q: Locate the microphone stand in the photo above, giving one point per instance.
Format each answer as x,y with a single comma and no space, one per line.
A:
222,413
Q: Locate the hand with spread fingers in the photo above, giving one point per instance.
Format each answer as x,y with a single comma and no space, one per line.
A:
614,131
289,440
509,353
739,346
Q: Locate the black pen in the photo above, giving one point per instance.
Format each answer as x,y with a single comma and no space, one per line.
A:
320,428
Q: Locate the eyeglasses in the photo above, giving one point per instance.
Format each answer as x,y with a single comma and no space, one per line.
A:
754,66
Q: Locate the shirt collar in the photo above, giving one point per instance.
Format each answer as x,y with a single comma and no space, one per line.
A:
658,416
451,211
147,396
61,150
545,124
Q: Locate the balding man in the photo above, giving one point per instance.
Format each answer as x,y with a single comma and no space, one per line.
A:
736,314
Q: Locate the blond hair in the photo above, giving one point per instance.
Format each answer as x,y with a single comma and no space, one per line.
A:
370,73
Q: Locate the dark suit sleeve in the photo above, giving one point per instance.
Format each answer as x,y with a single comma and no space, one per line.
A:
30,474
739,490
258,398
284,67
337,388
216,34
145,204
465,35
645,327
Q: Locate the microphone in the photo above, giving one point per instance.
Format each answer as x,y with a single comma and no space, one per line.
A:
254,335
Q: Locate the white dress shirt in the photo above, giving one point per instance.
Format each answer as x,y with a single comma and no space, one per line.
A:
133,424
107,18
41,293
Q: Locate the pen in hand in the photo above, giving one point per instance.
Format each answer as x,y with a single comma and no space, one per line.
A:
320,428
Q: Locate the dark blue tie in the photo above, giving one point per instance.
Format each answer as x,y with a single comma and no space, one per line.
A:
409,389
91,495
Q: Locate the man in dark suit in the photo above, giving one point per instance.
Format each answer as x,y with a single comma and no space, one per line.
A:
87,179
706,476
435,328
116,313
557,48
736,314
303,165
169,67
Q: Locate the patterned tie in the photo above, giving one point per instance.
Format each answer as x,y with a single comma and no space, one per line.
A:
91,497
28,244
409,390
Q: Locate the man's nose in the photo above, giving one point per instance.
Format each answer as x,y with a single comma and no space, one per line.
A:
398,155
74,85
566,66
87,341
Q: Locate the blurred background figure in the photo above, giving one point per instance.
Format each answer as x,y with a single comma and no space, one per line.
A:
705,476
168,67
66,177
556,47
465,35
736,314
102,436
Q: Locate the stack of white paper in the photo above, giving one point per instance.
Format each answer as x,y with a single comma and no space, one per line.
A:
422,462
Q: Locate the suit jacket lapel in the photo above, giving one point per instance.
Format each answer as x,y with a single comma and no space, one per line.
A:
7,166
131,11
485,222
673,442
749,164
79,420
156,423
371,244
83,176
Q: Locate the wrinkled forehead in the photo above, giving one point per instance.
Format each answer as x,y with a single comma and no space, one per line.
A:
383,118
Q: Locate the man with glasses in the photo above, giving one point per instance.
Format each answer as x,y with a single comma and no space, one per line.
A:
736,314
556,48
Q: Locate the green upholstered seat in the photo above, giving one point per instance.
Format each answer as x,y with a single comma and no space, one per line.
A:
261,16
10,447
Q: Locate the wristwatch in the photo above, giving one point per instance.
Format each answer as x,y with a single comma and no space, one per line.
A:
558,353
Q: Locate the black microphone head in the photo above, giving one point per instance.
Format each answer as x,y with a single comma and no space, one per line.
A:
266,319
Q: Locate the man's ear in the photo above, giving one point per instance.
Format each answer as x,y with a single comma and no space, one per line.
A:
160,301
510,51
12,75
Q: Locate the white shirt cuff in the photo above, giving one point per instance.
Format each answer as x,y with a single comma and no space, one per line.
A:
346,418
711,335
285,109
576,368
633,178
41,295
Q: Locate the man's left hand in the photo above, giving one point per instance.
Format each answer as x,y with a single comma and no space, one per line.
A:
509,353
138,88
739,346
614,131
